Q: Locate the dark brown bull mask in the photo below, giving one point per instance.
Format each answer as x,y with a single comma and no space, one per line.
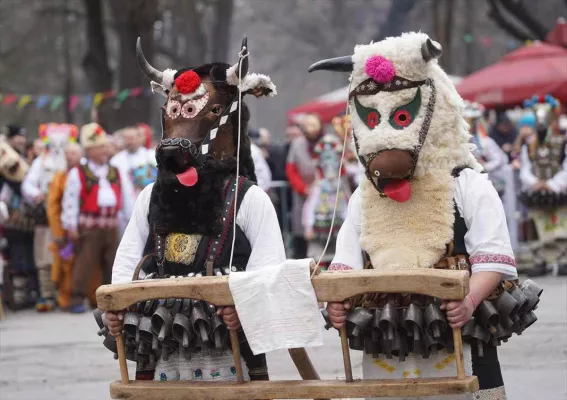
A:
200,116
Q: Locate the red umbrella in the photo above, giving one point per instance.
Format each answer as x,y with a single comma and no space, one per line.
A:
538,68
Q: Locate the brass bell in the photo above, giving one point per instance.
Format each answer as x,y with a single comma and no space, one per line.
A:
388,322
413,324
131,322
358,320
507,307
435,321
103,329
200,322
487,314
145,329
532,292
521,299
162,321
328,323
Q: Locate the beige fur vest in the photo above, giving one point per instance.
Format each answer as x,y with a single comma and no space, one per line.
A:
407,235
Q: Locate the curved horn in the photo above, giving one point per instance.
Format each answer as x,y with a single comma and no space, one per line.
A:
244,60
152,73
430,50
343,64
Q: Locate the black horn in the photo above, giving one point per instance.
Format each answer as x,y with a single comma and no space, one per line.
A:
430,50
343,64
152,73
244,60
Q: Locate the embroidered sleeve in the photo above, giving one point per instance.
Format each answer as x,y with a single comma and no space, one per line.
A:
71,197
487,239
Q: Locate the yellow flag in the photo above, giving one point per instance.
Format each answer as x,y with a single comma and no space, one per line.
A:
98,99
24,100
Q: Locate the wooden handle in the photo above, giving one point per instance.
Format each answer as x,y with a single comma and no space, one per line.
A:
122,359
346,354
303,364
458,341
236,354
328,286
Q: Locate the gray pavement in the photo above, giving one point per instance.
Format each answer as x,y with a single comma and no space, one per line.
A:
60,357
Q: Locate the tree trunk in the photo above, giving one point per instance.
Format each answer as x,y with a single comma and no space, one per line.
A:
134,18
394,24
448,31
68,89
95,61
469,45
192,41
221,30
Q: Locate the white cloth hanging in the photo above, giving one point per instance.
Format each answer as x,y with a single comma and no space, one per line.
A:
277,306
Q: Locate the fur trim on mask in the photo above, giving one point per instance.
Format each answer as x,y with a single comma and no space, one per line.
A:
201,90
251,81
169,78
407,235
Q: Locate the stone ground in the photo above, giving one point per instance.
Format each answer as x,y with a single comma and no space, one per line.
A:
60,357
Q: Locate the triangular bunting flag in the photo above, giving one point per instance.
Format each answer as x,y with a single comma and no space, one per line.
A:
56,103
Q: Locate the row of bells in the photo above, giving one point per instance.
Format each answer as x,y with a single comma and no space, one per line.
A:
545,200
396,331
159,328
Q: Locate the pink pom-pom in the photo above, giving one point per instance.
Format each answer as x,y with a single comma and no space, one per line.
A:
380,69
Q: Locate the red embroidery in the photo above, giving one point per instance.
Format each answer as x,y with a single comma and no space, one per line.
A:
339,267
493,258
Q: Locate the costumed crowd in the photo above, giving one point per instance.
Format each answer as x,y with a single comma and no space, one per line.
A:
413,177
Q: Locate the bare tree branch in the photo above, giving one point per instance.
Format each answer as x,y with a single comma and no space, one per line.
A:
518,10
495,14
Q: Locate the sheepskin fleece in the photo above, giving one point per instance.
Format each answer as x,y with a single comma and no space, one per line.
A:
408,235
250,81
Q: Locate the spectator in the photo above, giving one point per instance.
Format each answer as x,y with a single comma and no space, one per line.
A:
504,133
300,170
94,193
263,173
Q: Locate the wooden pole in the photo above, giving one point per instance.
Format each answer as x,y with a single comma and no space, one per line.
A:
236,354
346,354
122,359
458,341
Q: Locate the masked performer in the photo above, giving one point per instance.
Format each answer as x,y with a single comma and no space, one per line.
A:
183,224
34,189
543,175
20,283
320,202
94,193
424,204
495,163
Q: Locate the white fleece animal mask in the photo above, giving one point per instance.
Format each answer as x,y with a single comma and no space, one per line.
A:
400,99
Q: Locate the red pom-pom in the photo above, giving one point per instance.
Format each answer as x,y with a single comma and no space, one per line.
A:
541,98
187,82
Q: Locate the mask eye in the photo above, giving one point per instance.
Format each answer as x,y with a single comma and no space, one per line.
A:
370,116
173,109
189,110
403,116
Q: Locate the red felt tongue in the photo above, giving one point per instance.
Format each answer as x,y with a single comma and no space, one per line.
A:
189,177
398,190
